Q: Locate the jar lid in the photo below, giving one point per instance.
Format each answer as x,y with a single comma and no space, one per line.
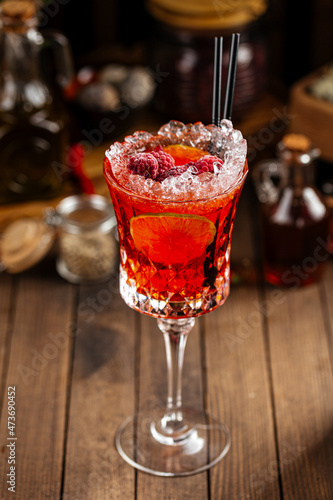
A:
85,212
208,15
24,243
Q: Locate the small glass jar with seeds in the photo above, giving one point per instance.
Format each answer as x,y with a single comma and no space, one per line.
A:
87,246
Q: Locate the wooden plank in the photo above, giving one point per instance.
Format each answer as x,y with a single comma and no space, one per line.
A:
102,396
303,388
6,309
153,388
238,393
326,292
38,369
238,387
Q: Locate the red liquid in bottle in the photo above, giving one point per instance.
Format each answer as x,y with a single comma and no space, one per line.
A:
294,246
295,228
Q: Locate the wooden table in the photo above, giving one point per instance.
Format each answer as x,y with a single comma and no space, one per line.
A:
80,361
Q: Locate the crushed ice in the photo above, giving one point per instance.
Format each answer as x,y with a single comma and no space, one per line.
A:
224,142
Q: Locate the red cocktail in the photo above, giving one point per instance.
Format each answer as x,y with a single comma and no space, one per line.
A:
175,195
175,234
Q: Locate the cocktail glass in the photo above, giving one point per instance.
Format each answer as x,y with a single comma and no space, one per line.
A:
175,241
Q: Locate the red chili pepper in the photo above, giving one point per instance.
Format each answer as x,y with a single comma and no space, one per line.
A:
75,158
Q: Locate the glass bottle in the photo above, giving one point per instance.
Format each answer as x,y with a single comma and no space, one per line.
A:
294,215
33,123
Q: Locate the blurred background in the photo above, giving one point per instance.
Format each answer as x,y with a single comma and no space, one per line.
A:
139,63
298,36
281,43
133,65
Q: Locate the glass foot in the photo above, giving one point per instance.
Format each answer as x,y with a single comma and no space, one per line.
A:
198,443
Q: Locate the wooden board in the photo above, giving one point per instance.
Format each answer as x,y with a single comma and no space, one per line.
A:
38,367
326,295
6,297
303,388
102,396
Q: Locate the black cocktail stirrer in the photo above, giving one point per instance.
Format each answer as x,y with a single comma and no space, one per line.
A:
217,81
231,78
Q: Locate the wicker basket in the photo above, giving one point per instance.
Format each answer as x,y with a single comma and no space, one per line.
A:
313,116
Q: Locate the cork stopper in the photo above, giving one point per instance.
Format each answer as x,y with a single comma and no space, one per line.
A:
18,15
298,149
297,142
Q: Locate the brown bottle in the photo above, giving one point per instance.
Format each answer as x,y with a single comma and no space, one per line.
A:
294,216
33,126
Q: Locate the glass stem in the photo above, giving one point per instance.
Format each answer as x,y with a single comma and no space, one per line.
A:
175,332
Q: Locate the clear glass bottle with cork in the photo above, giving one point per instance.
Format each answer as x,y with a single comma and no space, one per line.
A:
33,123
294,216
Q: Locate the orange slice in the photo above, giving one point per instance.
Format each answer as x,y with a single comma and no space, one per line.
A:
172,238
183,154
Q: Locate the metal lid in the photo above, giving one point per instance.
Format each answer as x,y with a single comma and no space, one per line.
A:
24,243
84,212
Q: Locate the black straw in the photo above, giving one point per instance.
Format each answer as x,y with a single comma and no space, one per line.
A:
229,93
217,82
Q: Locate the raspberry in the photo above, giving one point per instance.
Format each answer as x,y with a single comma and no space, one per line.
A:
165,161
172,172
144,164
153,165
158,165
205,164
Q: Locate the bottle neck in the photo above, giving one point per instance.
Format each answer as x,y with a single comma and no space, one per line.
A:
300,175
22,89
20,53
299,162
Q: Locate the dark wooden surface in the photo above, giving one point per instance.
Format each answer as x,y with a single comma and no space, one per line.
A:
81,361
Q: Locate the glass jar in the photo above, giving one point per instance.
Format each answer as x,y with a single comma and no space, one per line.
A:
181,55
87,249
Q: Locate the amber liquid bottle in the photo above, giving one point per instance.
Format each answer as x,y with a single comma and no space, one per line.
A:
33,127
295,227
